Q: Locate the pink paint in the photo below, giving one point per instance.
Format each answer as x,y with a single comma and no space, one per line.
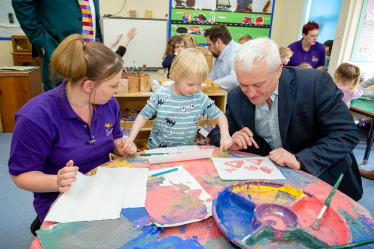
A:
255,161
237,164
251,168
176,205
274,221
266,170
35,244
333,228
230,170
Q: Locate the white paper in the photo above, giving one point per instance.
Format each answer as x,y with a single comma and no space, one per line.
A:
173,149
184,156
98,197
181,180
247,168
136,190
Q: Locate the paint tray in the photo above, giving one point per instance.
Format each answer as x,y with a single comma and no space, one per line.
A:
274,215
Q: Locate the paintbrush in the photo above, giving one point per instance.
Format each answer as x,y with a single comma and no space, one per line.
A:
354,244
142,71
136,67
315,225
251,138
154,154
161,173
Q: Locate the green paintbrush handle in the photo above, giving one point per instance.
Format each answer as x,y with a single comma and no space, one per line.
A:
329,198
350,245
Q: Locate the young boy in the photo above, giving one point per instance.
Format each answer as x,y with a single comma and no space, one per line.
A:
244,39
285,55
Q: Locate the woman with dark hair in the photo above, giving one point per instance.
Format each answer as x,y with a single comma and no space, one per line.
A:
328,49
308,50
71,127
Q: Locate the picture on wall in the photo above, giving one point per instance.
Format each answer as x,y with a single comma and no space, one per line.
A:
363,49
241,17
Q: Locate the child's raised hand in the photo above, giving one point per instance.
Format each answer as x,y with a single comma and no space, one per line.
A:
131,33
118,39
225,143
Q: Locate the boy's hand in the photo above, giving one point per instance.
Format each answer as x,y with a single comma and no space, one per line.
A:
225,143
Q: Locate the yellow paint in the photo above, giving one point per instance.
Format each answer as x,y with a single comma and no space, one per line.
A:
266,192
113,164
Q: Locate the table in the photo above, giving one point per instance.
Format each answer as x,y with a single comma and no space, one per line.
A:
205,234
16,89
365,106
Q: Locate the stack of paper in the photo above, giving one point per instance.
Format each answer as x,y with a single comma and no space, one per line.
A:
101,196
181,153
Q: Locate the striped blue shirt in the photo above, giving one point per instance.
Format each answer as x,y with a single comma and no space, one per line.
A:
223,68
266,122
177,118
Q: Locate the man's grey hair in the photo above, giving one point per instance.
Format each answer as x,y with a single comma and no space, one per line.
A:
258,50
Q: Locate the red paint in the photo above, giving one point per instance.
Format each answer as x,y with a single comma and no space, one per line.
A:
333,228
255,161
230,170
237,164
266,170
176,205
251,168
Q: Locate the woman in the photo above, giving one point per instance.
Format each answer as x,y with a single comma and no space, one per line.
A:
308,50
72,127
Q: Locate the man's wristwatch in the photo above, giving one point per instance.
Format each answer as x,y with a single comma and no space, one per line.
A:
302,166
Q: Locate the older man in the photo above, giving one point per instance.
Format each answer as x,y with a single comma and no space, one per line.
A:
224,49
296,116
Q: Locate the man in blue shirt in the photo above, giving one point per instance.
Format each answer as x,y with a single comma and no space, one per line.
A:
224,49
296,116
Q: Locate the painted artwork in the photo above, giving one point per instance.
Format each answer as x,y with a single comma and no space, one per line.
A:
176,199
132,13
251,168
148,14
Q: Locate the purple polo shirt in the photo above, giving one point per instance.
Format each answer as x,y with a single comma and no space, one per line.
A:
315,55
48,133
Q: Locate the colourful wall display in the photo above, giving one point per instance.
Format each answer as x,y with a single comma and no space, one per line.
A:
363,49
241,17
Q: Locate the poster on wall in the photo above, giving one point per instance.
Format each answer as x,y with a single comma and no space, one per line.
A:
8,22
241,17
363,49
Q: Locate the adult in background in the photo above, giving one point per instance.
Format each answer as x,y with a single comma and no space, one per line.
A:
47,23
296,116
308,50
76,124
224,49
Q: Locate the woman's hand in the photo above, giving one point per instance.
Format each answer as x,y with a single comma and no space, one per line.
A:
66,176
225,143
126,147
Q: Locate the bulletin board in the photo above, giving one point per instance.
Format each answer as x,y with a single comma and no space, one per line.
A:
363,49
8,22
241,17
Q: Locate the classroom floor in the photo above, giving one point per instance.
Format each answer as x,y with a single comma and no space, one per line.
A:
17,211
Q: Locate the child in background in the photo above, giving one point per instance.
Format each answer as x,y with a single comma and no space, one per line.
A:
328,48
174,46
285,55
180,105
244,39
304,65
189,42
347,77
122,48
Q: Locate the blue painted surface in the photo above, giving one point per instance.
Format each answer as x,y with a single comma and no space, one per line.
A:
138,216
326,14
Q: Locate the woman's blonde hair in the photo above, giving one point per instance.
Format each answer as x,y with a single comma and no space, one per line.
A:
171,45
75,59
283,51
348,75
189,63
304,65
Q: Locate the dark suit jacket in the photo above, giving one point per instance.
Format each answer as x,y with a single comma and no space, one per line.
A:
314,124
46,23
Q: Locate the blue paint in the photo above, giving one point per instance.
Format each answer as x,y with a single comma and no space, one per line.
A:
232,154
208,227
195,237
150,233
235,213
138,216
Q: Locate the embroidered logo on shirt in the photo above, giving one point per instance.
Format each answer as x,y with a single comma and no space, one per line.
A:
314,59
108,125
110,128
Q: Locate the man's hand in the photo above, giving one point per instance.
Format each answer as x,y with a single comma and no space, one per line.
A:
43,51
241,139
284,158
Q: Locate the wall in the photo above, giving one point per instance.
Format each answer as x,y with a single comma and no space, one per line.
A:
345,36
326,14
286,21
6,58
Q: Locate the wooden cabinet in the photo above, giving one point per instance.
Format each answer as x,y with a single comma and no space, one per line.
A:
21,44
136,101
16,89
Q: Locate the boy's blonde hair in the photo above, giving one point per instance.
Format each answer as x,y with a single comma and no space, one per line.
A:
348,75
304,65
189,63
283,51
